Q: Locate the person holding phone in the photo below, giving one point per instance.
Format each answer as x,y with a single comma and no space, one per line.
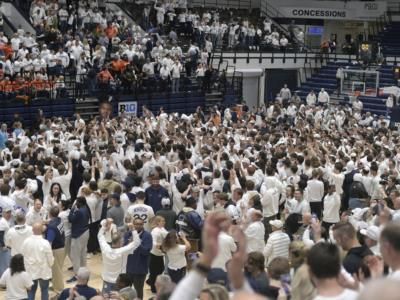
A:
176,254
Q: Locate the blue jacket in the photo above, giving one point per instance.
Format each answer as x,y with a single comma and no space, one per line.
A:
154,196
138,261
55,233
79,219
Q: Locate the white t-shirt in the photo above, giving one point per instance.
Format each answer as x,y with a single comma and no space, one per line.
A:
176,257
345,295
16,285
141,211
158,235
227,246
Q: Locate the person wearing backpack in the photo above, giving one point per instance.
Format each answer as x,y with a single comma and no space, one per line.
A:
358,195
190,223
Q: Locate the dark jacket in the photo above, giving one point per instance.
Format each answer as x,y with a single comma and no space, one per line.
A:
79,219
190,222
138,261
154,194
353,260
83,290
55,233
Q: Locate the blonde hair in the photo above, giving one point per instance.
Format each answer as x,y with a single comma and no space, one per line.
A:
156,220
216,292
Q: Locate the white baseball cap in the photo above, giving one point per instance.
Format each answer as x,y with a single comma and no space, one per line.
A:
276,223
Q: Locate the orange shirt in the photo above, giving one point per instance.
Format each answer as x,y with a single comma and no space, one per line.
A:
119,65
38,84
216,120
8,51
104,76
6,86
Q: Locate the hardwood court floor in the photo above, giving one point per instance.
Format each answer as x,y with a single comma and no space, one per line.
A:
94,265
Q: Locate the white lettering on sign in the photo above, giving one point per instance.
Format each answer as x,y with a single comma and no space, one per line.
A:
319,13
128,108
371,6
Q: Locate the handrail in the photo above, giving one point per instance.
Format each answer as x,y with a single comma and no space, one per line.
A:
272,12
314,56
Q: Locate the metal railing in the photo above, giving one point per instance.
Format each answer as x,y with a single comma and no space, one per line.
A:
240,4
272,12
283,57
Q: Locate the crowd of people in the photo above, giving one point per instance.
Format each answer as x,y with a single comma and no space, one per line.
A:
289,200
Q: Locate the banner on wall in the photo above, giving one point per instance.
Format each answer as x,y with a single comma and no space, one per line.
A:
349,11
128,108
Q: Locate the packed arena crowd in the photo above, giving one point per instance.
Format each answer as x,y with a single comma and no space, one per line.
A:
89,48
296,199
232,203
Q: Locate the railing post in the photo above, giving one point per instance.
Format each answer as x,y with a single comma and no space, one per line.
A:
272,58
295,57
306,59
234,58
248,57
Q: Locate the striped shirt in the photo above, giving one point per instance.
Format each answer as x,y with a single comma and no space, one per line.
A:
277,245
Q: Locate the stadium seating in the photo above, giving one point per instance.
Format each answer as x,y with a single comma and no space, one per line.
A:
326,78
390,39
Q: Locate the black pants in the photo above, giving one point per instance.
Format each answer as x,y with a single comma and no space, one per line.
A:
156,268
316,208
93,243
177,275
138,283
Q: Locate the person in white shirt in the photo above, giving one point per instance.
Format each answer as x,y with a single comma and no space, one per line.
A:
278,242
337,177
176,70
115,255
139,210
175,253
331,208
255,232
38,260
301,205
16,280
16,236
339,76
314,192
323,97
325,278
357,106
36,213
226,248
5,216
285,94
390,102
311,98
371,238
156,265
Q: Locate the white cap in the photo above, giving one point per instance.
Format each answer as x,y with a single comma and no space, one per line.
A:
165,201
276,223
371,232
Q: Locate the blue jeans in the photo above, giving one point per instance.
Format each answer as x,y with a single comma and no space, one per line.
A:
44,288
5,256
108,287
